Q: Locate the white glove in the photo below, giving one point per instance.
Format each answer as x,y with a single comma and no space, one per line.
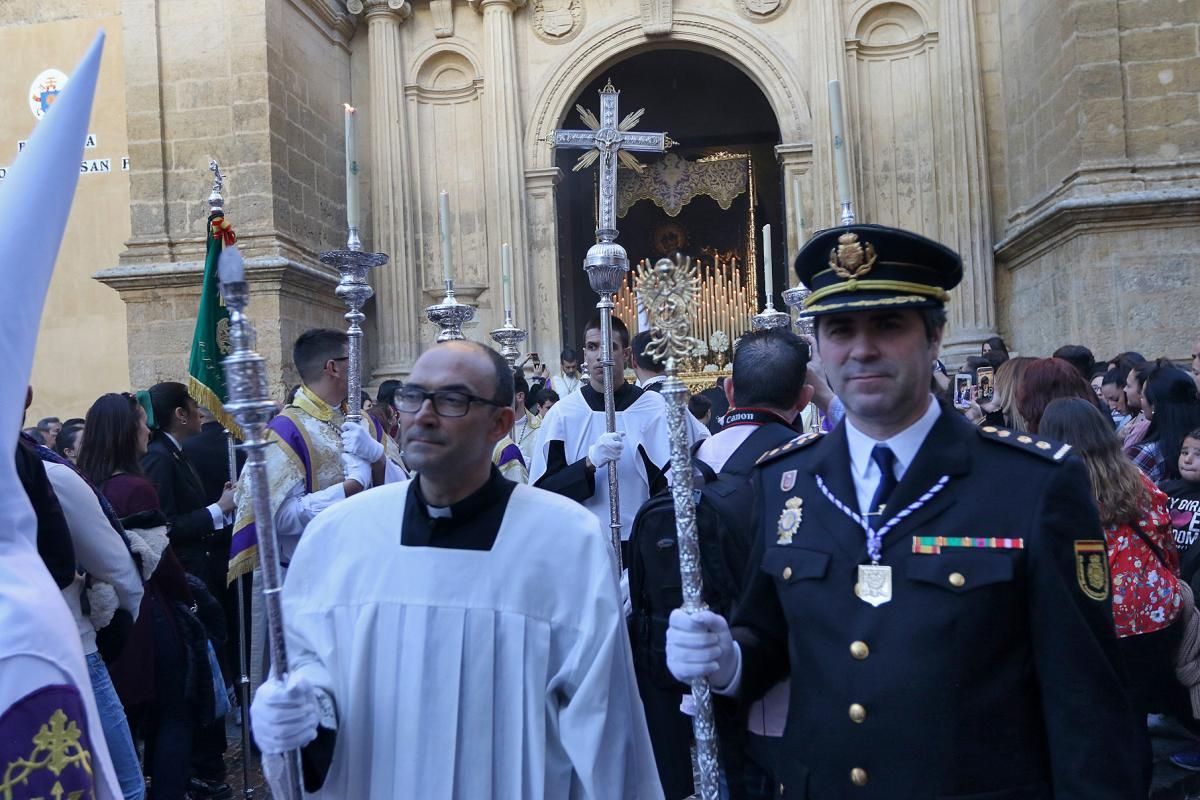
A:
607,448
357,441
355,468
284,716
625,599
700,646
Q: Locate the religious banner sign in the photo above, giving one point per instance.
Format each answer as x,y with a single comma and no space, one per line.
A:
674,182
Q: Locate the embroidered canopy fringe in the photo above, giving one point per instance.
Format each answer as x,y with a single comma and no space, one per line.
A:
674,182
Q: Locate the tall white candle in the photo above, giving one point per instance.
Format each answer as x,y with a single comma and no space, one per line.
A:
841,163
768,271
506,272
444,232
351,171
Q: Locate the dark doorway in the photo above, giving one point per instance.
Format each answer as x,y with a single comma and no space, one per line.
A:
712,109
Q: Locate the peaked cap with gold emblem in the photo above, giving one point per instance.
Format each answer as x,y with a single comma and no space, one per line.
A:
868,267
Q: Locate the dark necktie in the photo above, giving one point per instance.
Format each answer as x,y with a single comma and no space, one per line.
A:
885,459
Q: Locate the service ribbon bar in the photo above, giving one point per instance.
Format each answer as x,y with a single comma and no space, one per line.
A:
932,545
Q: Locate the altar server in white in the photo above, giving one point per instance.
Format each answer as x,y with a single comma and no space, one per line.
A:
457,636
574,451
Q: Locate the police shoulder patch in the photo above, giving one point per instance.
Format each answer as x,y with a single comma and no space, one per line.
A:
1051,451
803,440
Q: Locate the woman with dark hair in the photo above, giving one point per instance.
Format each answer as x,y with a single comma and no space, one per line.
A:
1142,557
1169,401
1046,380
66,444
150,674
995,345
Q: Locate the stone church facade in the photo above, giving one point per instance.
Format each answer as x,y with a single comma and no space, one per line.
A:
1054,143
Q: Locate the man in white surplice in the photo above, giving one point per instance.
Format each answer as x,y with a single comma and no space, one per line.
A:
574,452
457,636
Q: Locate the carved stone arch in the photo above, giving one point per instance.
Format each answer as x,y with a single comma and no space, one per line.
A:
433,68
746,48
870,19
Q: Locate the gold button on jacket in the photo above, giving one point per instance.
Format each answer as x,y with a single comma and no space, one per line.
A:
957,579
859,650
858,776
857,713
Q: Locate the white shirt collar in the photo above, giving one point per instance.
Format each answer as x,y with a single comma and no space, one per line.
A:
653,380
174,441
904,444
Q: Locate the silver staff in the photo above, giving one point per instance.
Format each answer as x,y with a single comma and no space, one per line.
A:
668,291
216,204
250,404
606,263
354,290
795,297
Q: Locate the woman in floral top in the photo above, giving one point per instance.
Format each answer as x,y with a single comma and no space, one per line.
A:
1143,561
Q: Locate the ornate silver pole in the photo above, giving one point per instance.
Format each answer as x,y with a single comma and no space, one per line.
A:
769,317
606,264
354,290
450,315
250,403
668,291
216,203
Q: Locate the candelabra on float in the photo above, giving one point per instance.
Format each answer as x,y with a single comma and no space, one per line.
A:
794,297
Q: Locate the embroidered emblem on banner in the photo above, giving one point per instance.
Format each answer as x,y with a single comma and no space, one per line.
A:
932,545
787,481
1091,568
789,519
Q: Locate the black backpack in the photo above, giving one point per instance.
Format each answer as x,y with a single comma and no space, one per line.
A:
725,533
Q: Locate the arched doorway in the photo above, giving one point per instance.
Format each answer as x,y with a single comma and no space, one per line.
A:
707,198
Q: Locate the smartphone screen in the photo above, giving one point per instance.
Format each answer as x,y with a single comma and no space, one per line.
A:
962,390
986,378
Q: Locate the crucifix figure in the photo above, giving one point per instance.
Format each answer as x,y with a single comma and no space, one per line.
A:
606,263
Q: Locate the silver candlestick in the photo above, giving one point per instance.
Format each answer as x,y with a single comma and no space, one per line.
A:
354,290
794,298
770,318
508,336
450,315
250,404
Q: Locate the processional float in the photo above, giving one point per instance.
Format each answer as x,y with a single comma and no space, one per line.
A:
606,263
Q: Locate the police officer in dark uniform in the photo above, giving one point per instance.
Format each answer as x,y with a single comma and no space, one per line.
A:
939,592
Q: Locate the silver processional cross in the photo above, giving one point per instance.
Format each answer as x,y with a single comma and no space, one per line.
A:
606,263
610,142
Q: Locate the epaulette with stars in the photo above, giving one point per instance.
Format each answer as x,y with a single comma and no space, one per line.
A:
1052,451
803,440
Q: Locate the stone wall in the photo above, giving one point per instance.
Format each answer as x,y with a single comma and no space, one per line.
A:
82,341
1098,237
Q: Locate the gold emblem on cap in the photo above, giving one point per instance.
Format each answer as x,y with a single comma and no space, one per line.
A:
851,259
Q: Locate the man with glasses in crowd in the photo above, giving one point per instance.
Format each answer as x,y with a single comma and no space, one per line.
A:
318,460
446,638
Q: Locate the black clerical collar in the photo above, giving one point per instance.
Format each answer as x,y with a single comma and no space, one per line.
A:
471,505
624,396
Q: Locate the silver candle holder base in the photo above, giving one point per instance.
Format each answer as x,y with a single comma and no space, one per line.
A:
354,290
450,316
794,298
769,318
508,336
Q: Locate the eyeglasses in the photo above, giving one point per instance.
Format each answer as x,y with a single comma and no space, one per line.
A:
446,403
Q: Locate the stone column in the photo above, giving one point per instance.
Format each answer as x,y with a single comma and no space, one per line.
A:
544,317
966,213
398,308
504,155
796,163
